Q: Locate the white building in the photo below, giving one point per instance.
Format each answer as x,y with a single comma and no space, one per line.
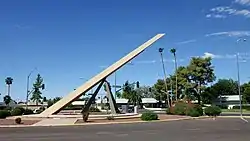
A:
228,100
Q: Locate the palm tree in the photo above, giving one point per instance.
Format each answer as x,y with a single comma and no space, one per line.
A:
173,51
165,76
7,100
8,82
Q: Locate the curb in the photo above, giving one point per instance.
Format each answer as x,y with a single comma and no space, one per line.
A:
233,116
140,121
104,123
14,126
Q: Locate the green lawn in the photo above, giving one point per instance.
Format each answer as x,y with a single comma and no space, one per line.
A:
235,110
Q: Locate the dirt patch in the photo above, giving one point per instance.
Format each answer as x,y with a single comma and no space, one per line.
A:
12,122
161,117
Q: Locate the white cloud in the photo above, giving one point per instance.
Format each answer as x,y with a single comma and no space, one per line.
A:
172,60
226,56
216,16
207,54
186,42
225,11
242,2
145,62
230,34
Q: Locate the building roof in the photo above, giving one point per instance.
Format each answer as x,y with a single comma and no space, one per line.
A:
78,103
118,101
230,97
149,100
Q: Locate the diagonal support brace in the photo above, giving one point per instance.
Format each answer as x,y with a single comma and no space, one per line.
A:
85,111
112,102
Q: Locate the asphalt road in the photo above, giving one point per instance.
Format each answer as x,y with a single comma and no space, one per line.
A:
188,130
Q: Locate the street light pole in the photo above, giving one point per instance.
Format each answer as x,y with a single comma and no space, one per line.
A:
165,76
238,77
27,91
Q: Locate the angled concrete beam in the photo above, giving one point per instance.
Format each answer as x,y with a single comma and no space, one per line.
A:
112,103
98,78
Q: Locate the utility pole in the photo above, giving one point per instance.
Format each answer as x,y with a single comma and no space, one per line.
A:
238,76
165,76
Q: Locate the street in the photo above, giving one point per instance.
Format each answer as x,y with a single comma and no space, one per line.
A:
221,129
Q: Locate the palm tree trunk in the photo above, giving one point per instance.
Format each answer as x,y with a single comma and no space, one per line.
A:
176,78
8,90
199,94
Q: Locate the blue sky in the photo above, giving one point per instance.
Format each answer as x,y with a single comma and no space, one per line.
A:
69,40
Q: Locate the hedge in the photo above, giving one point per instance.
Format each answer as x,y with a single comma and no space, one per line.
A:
148,116
4,114
213,111
182,108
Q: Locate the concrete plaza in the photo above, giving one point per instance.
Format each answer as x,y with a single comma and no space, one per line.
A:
221,129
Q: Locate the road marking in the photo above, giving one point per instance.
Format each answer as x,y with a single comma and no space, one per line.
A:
193,129
121,135
104,133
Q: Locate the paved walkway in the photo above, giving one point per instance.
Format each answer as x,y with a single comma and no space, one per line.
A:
56,122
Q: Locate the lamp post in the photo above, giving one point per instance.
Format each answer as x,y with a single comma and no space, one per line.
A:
28,91
164,71
238,77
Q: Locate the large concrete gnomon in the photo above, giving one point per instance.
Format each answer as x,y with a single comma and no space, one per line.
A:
99,78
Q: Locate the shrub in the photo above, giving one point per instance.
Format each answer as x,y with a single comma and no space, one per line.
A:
4,114
94,109
16,112
180,108
189,109
169,111
148,116
28,112
192,112
18,120
213,111
22,109
199,109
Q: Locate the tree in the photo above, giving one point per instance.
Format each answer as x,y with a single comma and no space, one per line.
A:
131,94
184,87
173,51
9,82
159,90
118,94
37,94
53,101
222,87
7,100
200,73
245,88
45,99
144,92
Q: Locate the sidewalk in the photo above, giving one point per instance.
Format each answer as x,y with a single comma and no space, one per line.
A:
56,122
